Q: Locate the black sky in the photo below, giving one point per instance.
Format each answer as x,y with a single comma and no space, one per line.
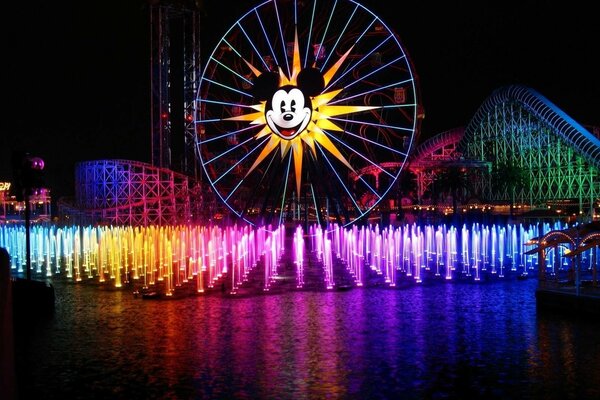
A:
76,76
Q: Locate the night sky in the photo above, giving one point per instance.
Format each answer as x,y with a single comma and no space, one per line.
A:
76,74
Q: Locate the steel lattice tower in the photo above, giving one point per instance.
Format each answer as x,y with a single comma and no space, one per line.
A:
175,65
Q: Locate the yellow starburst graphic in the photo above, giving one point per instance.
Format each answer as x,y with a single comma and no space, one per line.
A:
317,128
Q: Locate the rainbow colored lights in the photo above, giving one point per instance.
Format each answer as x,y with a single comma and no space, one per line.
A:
202,255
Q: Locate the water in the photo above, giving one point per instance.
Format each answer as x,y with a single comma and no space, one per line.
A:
436,340
178,254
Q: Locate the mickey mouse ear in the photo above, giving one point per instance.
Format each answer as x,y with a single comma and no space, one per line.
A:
265,85
311,81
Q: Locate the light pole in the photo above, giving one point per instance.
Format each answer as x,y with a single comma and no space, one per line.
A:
28,177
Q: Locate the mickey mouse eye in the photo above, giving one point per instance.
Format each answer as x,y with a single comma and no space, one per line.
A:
296,100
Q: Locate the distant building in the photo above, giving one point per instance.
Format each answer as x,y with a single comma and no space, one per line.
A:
12,210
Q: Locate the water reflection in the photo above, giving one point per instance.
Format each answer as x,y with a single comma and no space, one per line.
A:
568,362
439,340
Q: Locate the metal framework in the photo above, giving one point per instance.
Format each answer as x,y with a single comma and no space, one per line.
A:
561,159
439,153
175,65
122,192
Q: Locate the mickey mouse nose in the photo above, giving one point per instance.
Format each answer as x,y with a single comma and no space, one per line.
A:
288,116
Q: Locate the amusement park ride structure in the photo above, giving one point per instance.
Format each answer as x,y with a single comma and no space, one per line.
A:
216,155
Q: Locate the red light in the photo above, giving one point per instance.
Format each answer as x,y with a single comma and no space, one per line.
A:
164,115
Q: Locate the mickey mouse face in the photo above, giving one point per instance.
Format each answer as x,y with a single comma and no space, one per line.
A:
288,109
288,112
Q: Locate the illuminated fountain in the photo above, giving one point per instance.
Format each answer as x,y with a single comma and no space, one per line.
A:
201,256
171,256
414,251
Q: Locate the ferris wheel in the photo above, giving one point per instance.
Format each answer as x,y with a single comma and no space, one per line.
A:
306,111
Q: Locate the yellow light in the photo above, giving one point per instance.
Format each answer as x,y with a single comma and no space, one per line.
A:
314,132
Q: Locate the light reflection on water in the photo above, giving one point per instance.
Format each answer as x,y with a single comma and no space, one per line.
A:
438,340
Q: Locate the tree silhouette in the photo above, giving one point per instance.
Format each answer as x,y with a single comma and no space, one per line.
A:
509,178
406,188
453,181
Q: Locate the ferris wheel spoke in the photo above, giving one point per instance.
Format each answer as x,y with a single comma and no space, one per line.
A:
367,56
374,72
359,154
376,125
243,93
327,26
310,32
380,145
329,193
253,45
337,175
339,35
282,38
252,198
316,204
234,189
374,90
237,52
399,106
222,103
371,190
227,135
231,70
285,185
231,150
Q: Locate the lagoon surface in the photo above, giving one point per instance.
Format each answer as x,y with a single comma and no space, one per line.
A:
434,340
